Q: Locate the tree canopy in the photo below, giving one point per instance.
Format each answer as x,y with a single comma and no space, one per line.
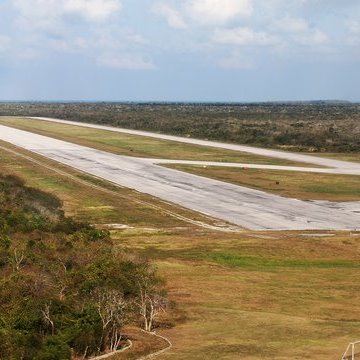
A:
65,291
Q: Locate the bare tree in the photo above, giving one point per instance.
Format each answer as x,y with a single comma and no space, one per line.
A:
17,260
111,307
151,305
47,318
150,301
61,278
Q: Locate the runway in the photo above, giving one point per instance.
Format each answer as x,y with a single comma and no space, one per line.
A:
245,207
347,166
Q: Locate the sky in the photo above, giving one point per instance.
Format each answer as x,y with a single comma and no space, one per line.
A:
172,50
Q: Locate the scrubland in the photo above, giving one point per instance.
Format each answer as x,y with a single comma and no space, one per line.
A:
309,127
235,295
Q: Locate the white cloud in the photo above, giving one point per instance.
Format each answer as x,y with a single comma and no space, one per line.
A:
50,27
125,61
312,37
243,36
299,31
218,11
49,10
114,38
5,41
11,49
294,25
237,61
73,45
37,8
93,10
172,16
318,37
354,27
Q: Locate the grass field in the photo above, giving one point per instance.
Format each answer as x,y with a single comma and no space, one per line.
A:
242,295
299,185
354,157
138,146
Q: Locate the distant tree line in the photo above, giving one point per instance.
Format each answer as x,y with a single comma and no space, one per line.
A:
65,291
315,127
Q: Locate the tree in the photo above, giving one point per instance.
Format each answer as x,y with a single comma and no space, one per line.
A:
151,305
17,260
47,318
150,300
111,306
65,292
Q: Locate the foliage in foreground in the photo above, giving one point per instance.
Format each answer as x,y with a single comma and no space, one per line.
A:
64,290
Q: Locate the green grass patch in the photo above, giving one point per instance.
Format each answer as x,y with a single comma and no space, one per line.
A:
354,157
238,261
339,188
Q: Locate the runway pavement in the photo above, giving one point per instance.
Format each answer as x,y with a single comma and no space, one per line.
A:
351,167
238,205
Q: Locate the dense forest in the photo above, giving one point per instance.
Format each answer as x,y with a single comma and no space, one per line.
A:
65,291
314,126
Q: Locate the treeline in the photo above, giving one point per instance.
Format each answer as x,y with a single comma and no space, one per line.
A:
317,127
65,291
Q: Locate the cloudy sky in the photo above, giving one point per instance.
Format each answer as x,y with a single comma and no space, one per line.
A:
182,50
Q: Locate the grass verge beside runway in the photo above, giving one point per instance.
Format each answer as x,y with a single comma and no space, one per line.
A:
299,185
354,157
137,146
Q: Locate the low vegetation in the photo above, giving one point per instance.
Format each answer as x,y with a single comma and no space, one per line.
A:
315,127
65,291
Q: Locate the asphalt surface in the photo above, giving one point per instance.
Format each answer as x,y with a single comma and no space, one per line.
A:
248,208
338,171
347,166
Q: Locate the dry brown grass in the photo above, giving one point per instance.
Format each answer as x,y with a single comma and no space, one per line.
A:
142,344
276,312
246,295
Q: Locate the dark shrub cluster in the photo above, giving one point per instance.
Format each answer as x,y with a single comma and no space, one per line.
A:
64,290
